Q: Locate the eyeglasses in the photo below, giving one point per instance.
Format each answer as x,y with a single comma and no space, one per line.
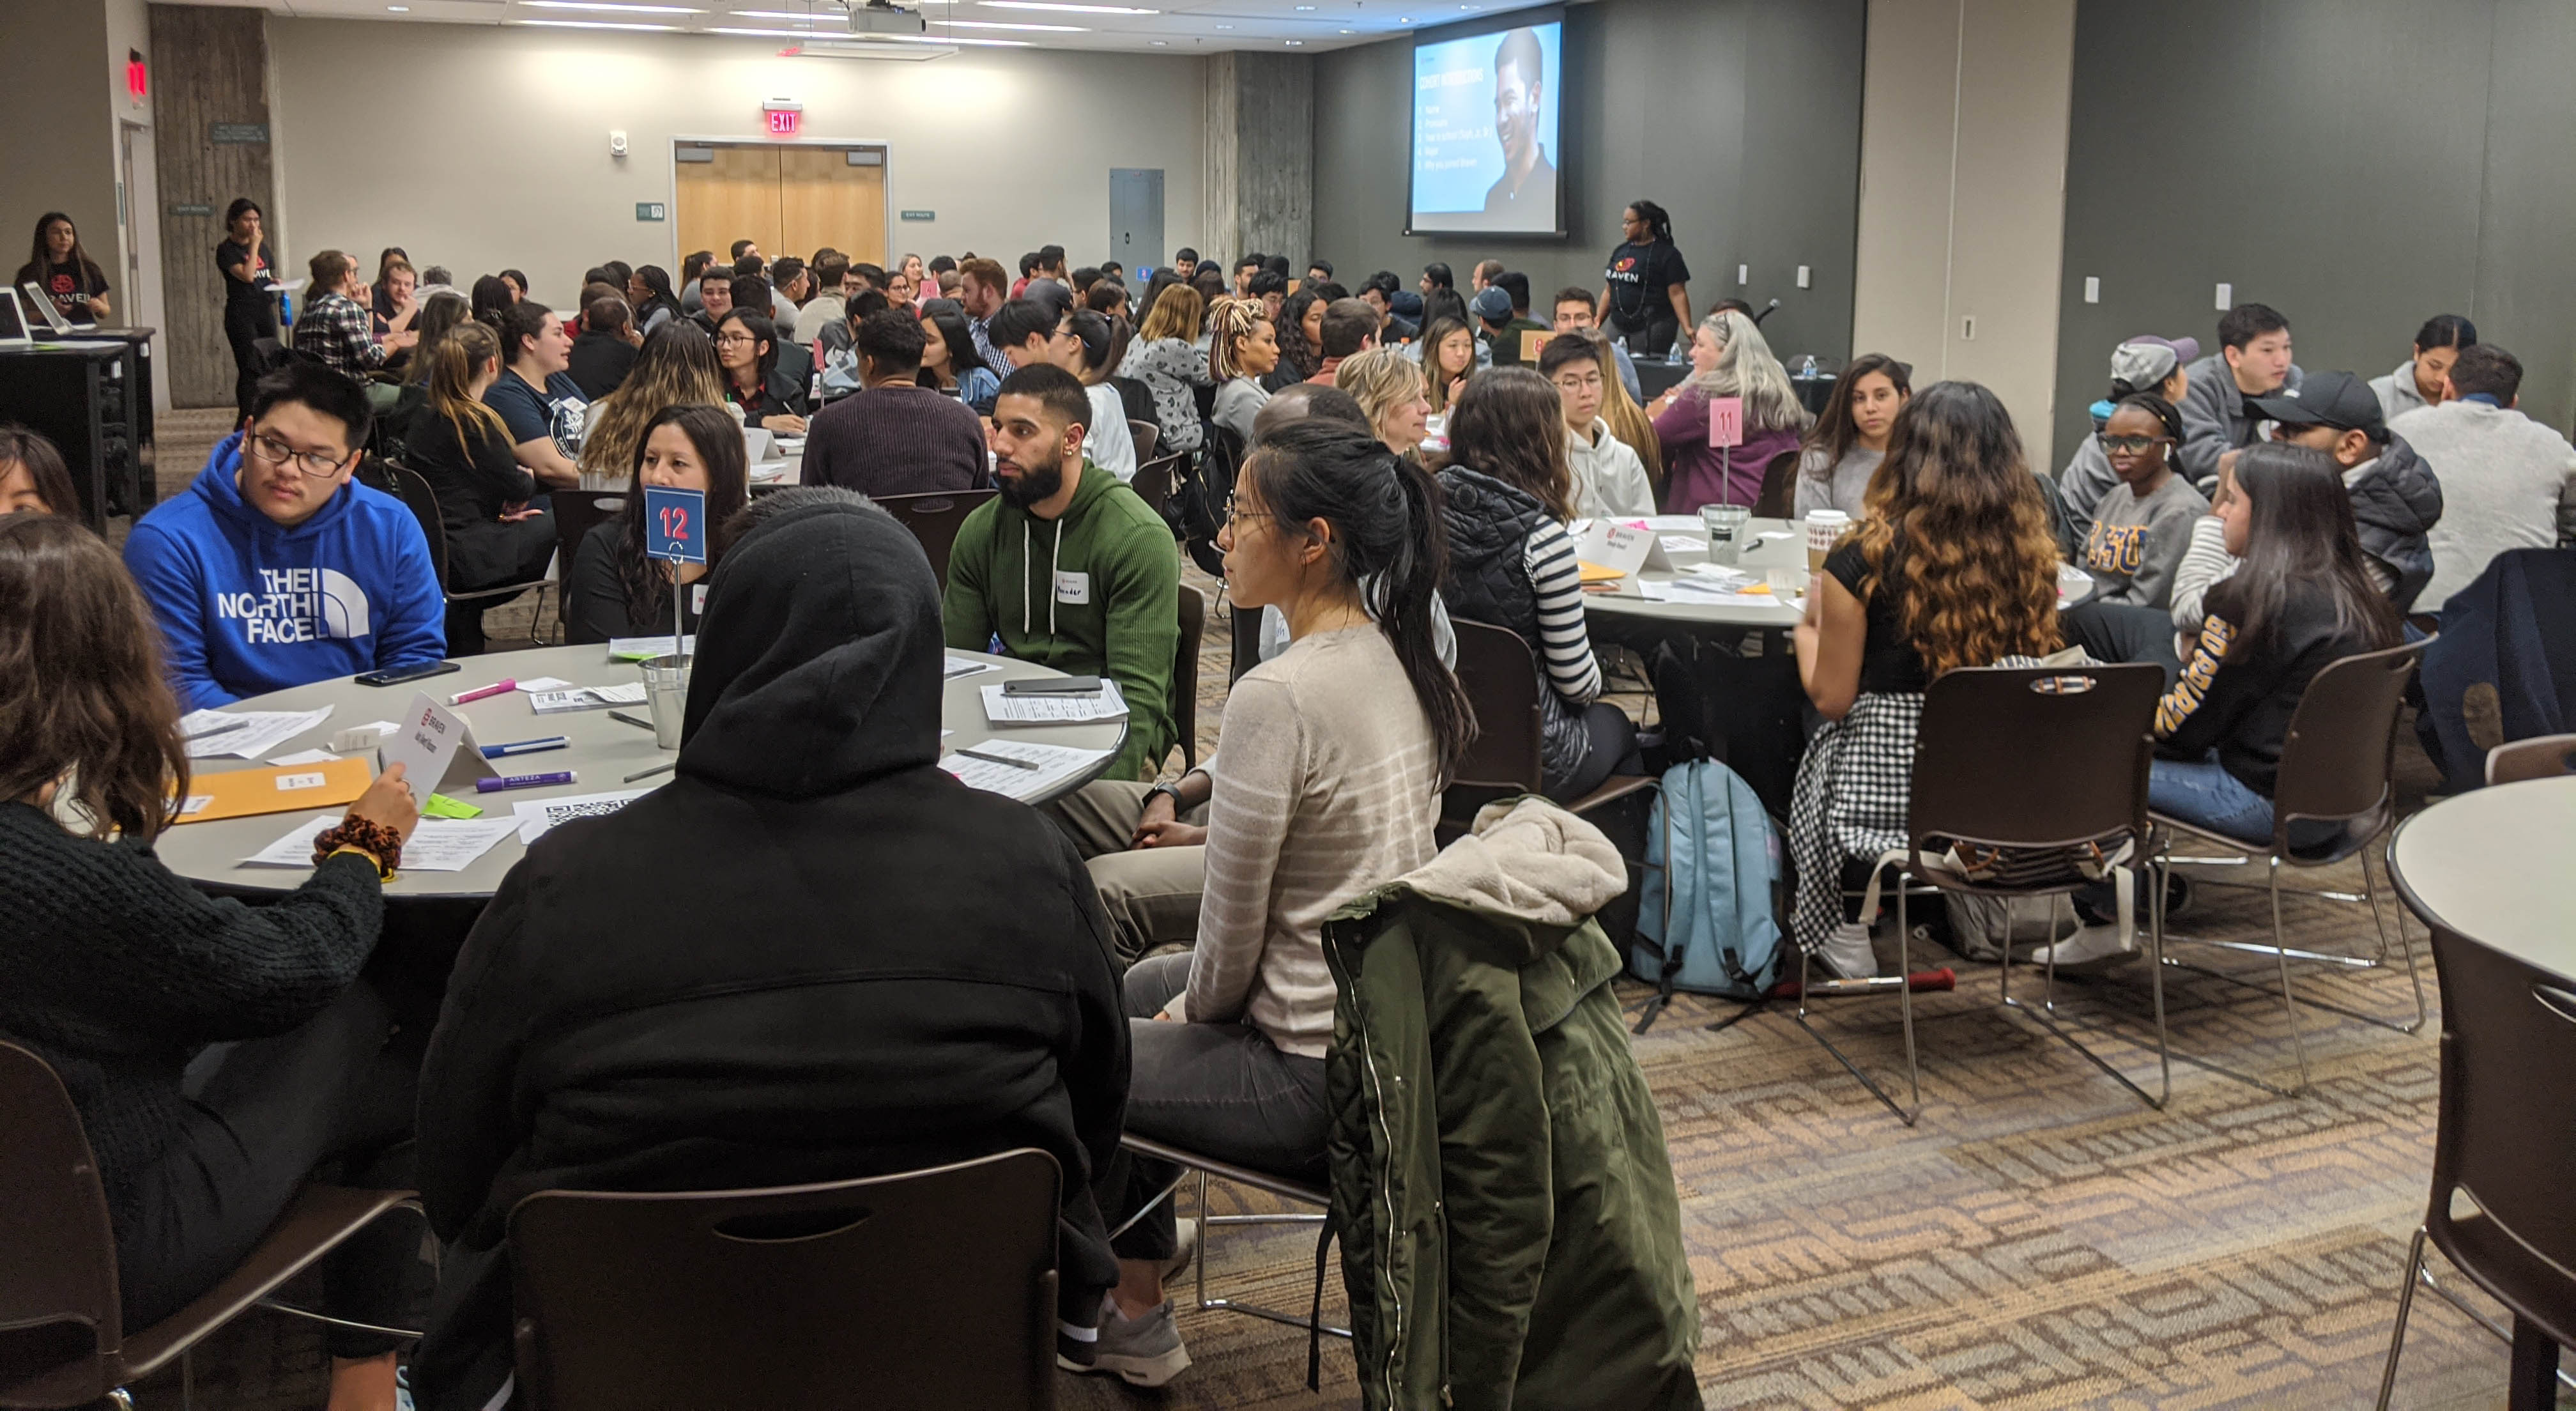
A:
271,451
734,340
2130,444
1234,515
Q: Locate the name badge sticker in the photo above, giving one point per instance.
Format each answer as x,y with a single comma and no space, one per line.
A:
1073,588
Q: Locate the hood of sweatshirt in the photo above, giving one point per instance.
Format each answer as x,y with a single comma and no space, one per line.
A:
1527,862
819,657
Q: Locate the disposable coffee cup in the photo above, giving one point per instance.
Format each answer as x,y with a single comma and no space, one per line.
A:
666,689
1824,528
1726,525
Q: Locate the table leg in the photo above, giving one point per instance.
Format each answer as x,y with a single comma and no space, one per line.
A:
96,424
2534,1385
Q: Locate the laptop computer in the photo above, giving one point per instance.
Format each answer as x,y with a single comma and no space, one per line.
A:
13,321
43,304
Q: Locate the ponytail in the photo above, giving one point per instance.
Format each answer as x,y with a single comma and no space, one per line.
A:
1385,515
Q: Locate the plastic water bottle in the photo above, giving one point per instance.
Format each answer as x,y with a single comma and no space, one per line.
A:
1807,369
1673,354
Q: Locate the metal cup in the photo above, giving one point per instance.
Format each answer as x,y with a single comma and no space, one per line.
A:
666,689
1725,524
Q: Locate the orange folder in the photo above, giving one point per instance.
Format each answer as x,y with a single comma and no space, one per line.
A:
277,788
1598,573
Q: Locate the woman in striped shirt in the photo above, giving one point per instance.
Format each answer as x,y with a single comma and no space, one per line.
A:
1509,495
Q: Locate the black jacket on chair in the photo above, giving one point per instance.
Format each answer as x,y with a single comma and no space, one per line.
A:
811,956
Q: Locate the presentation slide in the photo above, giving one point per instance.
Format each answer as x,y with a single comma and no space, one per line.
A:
1484,132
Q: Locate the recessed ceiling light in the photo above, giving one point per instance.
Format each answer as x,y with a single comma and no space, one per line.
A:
805,15
1305,7
769,33
589,24
399,9
1060,5
960,39
1292,43
605,5
1159,43
1004,24
1225,26
1346,31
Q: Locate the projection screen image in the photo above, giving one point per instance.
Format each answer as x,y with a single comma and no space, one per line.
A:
1485,132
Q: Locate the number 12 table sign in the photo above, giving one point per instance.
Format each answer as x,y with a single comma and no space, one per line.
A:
675,528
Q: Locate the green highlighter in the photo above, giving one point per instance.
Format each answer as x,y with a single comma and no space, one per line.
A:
441,806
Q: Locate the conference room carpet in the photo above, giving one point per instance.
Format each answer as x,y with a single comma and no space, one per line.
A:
2041,1239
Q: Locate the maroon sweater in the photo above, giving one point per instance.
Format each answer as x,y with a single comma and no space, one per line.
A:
897,440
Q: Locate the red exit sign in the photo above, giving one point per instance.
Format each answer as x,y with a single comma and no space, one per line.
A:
785,119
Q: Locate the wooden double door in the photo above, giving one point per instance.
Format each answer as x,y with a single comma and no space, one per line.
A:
790,198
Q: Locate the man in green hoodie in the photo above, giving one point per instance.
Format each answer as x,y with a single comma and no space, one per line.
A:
1108,602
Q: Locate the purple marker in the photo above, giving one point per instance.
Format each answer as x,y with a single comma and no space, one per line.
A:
522,781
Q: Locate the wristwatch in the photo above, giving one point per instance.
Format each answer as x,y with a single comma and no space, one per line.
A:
1170,791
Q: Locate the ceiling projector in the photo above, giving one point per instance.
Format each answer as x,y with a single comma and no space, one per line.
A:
879,17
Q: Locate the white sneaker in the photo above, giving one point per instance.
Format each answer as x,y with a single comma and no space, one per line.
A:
2091,948
1847,952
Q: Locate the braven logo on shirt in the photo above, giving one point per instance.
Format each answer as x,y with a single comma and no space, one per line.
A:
298,605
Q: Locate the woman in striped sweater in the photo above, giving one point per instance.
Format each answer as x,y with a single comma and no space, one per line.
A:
1508,497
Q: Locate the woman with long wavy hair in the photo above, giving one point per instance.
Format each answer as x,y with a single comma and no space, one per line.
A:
676,367
1954,565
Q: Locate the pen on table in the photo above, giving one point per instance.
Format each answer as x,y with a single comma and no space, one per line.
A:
501,687
522,781
1000,759
637,721
649,773
551,742
217,729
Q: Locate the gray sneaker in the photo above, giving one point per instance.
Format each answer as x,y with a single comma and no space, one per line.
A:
1146,1351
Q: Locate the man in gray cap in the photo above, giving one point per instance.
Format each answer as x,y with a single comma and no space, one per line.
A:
2145,363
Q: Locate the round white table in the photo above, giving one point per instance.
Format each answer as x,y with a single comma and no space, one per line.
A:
2488,865
1770,544
603,752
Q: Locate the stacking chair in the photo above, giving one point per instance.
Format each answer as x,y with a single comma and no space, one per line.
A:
926,1289
1501,678
63,1341
1146,436
1185,675
1286,1188
577,512
2034,760
934,518
2543,757
417,496
1779,486
2335,767
2503,1139
1245,625
1153,482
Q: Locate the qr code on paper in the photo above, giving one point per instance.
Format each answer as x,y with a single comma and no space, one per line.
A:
592,808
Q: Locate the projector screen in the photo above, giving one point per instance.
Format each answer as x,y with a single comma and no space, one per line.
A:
1485,112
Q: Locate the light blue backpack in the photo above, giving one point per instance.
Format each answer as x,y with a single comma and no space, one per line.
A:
1712,850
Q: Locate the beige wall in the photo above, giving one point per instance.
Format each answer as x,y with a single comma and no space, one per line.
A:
492,148
1963,192
61,152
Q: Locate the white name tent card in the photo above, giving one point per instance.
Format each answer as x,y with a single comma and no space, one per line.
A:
1623,548
436,749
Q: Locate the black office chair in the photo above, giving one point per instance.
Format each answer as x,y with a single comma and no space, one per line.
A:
464,610
934,518
1501,678
926,1289
1185,674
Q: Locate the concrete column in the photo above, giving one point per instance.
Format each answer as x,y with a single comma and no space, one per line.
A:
1259,187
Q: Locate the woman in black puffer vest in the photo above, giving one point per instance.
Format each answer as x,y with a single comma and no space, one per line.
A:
1512,565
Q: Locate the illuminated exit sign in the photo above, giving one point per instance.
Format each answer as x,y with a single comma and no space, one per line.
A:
786,117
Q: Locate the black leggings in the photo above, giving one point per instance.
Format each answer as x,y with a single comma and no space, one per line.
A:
1611,749
1650,339
245,322
262,1115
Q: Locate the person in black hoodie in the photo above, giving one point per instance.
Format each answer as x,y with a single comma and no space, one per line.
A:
2301,599
910,972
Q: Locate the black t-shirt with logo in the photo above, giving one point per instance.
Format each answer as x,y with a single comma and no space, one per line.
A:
231,253
1638,276
71,285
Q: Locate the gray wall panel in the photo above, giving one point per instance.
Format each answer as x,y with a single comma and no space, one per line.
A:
1741,116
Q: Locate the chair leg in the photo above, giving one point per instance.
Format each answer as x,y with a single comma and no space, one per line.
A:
1798,1016
2404,946
2405,1305
2289,1001
2047,1018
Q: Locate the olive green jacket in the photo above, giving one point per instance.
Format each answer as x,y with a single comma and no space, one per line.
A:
1510,1231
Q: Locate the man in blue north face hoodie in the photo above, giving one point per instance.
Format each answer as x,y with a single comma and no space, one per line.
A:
272,570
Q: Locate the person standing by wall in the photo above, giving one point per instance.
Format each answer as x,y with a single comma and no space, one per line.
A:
250,311
1645,293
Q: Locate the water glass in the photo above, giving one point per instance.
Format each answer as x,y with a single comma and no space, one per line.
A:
1726,530
666,689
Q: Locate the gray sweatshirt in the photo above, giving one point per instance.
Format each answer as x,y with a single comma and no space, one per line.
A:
1838,487
2135,545
2508,482
2215,419
2397,392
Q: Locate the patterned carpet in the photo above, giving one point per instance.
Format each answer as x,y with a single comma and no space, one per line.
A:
2040,1240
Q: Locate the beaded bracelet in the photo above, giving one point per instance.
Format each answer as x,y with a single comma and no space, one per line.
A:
377,840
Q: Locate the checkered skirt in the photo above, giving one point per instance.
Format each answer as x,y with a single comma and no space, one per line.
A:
1854,785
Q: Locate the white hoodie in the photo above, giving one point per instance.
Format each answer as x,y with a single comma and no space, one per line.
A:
1609,479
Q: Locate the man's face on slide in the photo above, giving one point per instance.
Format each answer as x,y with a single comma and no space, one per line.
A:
1515,113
